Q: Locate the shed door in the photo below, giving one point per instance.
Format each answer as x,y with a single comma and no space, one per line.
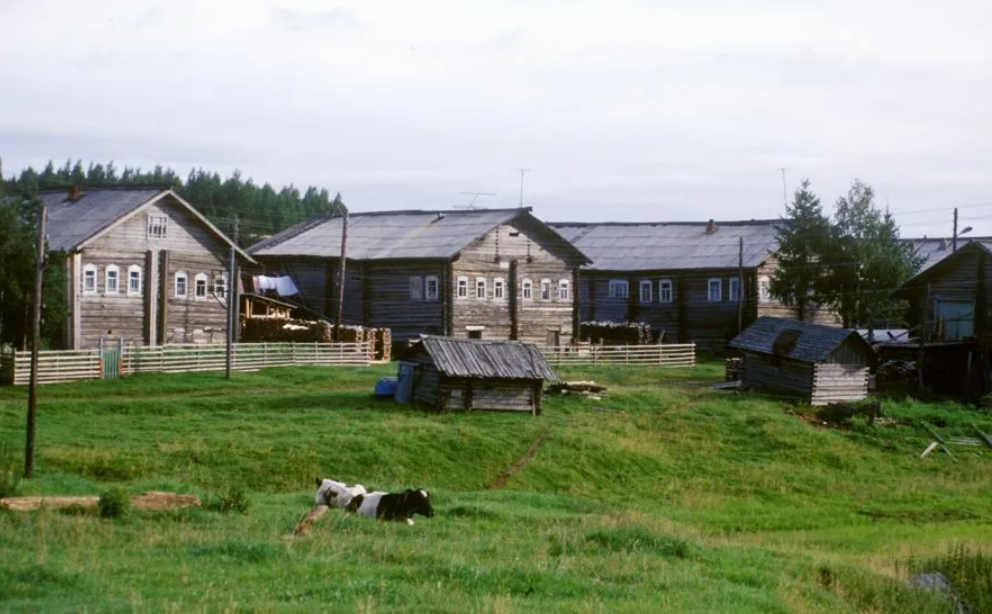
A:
955,319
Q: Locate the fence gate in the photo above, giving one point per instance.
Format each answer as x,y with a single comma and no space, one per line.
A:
111,358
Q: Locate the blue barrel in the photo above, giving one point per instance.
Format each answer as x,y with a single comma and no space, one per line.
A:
385,387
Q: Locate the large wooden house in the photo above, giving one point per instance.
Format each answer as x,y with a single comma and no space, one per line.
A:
690,281
484,274
142,265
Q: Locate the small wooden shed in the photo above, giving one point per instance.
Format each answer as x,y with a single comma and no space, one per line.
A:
822,364
473,374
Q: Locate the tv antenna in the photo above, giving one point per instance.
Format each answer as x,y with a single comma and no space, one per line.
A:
475,196
523,171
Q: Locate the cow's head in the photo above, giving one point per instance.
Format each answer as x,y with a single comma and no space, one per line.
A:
419,502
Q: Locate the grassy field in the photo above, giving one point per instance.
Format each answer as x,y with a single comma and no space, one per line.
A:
664,496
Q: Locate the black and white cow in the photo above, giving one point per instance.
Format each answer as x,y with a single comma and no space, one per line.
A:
336,494
392,506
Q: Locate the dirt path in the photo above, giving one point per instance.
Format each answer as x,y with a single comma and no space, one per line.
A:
501,481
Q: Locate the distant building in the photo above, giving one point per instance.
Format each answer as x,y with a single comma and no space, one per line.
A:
143,266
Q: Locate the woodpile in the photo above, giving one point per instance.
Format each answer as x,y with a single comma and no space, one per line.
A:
309,331
149,502
734,369
618,333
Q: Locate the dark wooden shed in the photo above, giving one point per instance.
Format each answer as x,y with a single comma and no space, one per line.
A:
470,374
822,364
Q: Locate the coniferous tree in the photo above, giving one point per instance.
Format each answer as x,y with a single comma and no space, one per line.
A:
803,237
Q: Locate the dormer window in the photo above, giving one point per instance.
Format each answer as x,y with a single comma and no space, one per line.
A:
157,226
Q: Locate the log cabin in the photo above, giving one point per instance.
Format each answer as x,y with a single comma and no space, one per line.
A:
820,364
482,274
142,266
700,282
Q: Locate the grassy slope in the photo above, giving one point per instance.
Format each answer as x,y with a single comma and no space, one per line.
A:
684,499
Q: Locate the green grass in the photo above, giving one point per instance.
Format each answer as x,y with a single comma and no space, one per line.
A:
663,496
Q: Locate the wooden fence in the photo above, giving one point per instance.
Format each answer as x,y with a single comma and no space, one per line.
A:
669,355
72,365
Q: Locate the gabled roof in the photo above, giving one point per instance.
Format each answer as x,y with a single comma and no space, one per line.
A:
803,341
919,281
475,358
386,235
936,249
615,246
74,223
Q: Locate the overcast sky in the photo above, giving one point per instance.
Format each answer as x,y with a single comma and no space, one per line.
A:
623,110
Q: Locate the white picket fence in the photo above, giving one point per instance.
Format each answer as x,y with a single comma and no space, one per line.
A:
72,365
668,355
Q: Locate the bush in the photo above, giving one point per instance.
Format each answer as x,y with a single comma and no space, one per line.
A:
10,480
114,503
229,499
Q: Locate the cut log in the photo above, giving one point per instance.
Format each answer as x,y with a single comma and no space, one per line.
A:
308,521
149,501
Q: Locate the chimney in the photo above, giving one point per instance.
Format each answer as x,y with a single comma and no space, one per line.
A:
75,193
710,227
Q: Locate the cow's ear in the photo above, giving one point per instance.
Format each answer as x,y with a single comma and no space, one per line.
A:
319,482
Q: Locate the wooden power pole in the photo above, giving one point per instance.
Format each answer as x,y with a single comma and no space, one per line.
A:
341,278
740,286
39,272
232,302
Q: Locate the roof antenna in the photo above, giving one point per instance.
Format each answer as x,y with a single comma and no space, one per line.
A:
475,196
523,171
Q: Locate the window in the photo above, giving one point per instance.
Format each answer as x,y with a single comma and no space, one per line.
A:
134,280
480,288
714,290
200,286
157,226
665,293
545,289
499,288
113,279
734,289
89,279
181,280
528,289
431,288
955,319
764,289
416,288
220,285
562,289
645,291
619,289
463,287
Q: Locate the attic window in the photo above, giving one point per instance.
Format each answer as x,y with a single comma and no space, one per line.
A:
157,226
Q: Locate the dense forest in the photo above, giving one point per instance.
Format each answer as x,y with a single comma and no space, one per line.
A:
260,210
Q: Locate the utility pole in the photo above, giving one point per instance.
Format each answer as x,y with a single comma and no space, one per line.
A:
341,278
740,286
39,272
522,172
954,237
785,199
232,300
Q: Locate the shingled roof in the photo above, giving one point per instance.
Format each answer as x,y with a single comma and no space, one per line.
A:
483,359
803,341
384,235
616,246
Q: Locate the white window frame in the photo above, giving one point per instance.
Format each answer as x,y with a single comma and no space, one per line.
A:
416,288
645,289
462,287
432,288
499,289
527,289
181,275
718,282
89,274
563,293
158,226
619,289
197,280
734,289
112,272
131,270
220,286
481,288
764,289
663,286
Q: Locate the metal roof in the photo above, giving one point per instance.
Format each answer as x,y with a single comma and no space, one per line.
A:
918,282
936,249
803,341
671,245
71,223
383,235
475,358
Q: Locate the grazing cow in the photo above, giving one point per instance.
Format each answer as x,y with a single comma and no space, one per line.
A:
336,494
393,506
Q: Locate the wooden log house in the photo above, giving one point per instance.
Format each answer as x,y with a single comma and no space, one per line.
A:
450,373
142,265
690,281
821,364
483,274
